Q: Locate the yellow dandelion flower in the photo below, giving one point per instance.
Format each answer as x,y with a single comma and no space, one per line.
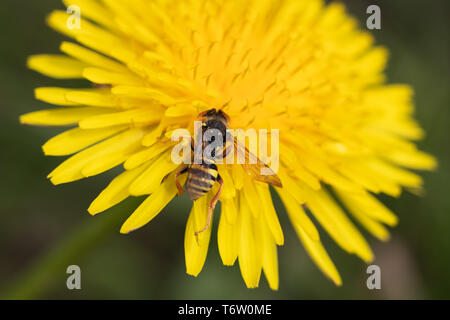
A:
297,65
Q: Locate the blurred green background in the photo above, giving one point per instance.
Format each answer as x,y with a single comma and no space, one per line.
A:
44,229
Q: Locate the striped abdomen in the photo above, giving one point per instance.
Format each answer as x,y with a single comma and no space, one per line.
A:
201,178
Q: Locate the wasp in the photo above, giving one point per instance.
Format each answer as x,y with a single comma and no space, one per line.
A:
202,176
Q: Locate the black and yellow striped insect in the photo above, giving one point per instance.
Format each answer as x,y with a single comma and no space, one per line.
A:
202,176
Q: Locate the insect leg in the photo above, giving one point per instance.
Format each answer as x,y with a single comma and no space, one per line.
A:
179,187
212,205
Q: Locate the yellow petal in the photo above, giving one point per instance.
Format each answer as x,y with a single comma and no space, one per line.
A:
229,209
110,45
138,90
413,159
151,206
298,216
55,96
319,255
93,97
150,180
307,177
373,226
153,136
76,139
116,192
373,61
136,116
146,155
60,116
89,34
71,169
396,174
252,196
250,260
270,256
338,225
368,205
195,249
357,172
180,111
292,161
228,189
385,183
270,215
103,76
98,166
327,173
238,175
293,187
227,240
91,58
57,66
92,10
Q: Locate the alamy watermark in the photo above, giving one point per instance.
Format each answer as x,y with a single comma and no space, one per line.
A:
374,20
374,280
74,20
73,281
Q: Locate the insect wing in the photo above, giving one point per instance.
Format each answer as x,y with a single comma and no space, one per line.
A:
253,166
